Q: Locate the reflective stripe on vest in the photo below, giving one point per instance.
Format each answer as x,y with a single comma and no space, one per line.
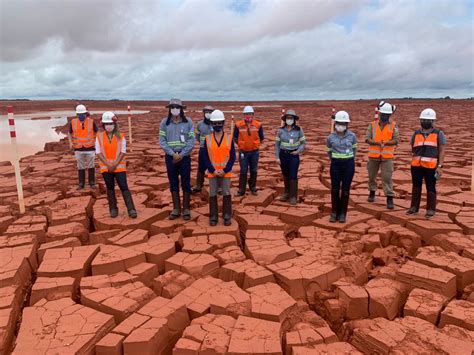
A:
111,151
219,155
425,150
379,135
249,139
82,137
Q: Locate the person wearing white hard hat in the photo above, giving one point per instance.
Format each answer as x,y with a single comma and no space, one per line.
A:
219,158
382,137
428,150
81,133
248,135
110,147
203,128
341,146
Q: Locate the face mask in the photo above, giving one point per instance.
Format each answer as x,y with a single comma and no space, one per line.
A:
109,128
248,118
426,124
290,121
217,128
82,116
340,128
384,117
207,115
175,111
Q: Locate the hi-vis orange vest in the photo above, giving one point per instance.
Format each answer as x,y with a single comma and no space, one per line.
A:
219,155
248,136
379,135
111,151
82,137
425,150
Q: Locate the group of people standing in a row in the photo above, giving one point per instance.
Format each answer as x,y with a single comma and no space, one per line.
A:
217,155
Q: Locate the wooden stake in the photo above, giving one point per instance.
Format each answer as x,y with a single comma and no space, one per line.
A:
15,159
129,125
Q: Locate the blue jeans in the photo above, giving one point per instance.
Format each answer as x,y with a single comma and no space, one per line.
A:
248,159
176,170
342,171
201,167
289,164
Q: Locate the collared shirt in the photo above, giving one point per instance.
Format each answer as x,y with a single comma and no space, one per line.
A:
293,140
342,147
202,130
177,137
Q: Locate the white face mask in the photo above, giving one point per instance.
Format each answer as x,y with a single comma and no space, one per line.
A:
175,111
290,121
109,128
340,128
207,115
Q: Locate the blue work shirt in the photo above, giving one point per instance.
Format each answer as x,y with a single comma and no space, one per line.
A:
292,140
177,137
342,147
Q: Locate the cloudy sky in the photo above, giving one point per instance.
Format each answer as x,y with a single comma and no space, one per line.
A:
236,49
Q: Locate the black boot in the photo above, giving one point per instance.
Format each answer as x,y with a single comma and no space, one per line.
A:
112,203
390,205
82,179
253,183
213,211
242,185
199,182
415,200
286,193
227,210
127,198
344,204
186,211
293,192
176,205
371,197
430,204
334,205
92,178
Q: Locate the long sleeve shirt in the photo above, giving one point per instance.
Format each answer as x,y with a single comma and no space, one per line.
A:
207,161
202,130
292,140
342,147
177,137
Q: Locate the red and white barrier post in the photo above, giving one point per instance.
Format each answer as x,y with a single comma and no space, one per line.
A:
282,114
333,116
15,159
376,114
129,125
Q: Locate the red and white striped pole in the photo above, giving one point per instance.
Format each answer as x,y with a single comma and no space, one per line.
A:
129,125
333,116
282,114
376,114
15,159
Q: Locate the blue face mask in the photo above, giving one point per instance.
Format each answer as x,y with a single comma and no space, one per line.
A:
82,116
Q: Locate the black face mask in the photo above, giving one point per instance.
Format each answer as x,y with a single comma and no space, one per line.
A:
384,117
426,124
217,128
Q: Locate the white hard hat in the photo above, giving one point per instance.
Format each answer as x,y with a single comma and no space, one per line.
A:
248,109
428,114
108,117
81,109
342,116
217,116
385,107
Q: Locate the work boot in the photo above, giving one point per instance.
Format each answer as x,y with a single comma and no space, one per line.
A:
176,205
390,205
242,185
286,193
371,197
293,192
253,183
112,199
186,211
227,209
199,182
82,179
415,200
127,198
430,204
334,205
92,178
343,205
213,211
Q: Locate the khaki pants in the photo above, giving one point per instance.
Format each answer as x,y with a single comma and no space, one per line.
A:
386,168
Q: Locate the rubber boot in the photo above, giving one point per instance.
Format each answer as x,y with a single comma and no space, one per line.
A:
334,206
82,178
213,211
371,197
112,199
293,192
286,193
415,200
253,183
176,205
344,204
92,178
390,205
242,185
430,204
186,211
127,198
199,182
227,209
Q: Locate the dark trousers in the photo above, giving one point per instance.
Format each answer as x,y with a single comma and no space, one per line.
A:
201,167
420,173
249,160
176,170
121,179
342,171
289,164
